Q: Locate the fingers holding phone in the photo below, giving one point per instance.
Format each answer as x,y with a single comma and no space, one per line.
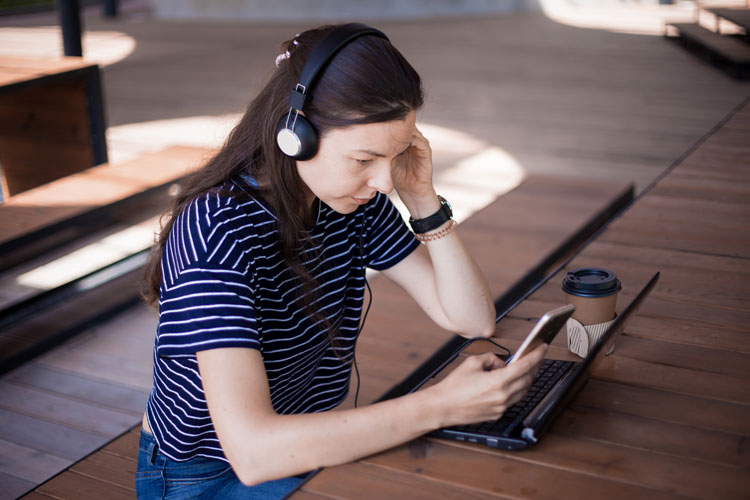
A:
482,387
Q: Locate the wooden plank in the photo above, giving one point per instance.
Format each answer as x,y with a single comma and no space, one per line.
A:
65,411
12,486
716,162
49,437
516,475
116,344
669,474
673,379
28,464
365,481
96,391
36,496
73,486
126,446
708,227
690,332
710,361
306,495
666,406
104,184
722,163
108,468
691,187
654,436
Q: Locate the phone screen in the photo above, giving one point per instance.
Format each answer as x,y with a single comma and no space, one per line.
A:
544,331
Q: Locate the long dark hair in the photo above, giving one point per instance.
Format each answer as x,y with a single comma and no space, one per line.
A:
368,81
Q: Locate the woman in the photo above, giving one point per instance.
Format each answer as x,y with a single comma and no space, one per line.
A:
259,274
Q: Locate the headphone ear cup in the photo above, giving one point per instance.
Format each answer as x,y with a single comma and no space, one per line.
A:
299,142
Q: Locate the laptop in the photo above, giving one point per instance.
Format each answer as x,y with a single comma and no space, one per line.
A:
524,423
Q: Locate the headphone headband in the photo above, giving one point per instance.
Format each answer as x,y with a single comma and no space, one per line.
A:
295,135
322,53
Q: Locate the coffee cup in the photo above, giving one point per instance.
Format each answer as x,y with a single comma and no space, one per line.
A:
593,291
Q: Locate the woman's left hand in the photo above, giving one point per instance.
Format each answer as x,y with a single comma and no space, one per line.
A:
412,176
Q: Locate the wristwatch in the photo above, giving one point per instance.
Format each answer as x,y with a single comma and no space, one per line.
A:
434,221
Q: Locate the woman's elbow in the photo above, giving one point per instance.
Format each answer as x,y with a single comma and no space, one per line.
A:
485,331
252,478
252,474
480,329
244,469
248,465
248,478
265,464
486,328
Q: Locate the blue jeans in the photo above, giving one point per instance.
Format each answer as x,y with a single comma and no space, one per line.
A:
160,477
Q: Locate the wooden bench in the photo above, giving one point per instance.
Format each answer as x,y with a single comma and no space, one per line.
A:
34,221
528,229
56,213
51,120
737,16
723,51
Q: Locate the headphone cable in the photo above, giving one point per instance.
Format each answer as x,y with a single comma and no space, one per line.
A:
364,318
369,302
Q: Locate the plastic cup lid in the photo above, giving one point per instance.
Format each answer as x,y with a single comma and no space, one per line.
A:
591,282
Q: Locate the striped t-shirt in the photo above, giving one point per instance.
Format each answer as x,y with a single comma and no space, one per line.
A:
224,284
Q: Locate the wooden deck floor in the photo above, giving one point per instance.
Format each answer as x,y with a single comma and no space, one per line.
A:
560,100
93,388
69,402
677,379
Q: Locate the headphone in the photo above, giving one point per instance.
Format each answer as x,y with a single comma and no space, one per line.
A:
295,135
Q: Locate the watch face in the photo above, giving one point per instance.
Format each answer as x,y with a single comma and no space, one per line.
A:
447,205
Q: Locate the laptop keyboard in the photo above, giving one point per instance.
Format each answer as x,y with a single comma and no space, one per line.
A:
550,372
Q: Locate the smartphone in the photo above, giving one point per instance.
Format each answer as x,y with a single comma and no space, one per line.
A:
544,331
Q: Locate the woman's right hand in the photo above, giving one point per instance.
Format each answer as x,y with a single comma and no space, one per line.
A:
483,387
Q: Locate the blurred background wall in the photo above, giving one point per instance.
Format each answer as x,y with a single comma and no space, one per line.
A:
331,9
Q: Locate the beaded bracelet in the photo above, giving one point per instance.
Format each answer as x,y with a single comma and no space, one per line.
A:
424,238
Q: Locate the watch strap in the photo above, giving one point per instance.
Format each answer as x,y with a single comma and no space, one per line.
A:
434,221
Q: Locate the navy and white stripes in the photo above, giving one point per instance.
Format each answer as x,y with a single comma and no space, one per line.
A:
224,284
